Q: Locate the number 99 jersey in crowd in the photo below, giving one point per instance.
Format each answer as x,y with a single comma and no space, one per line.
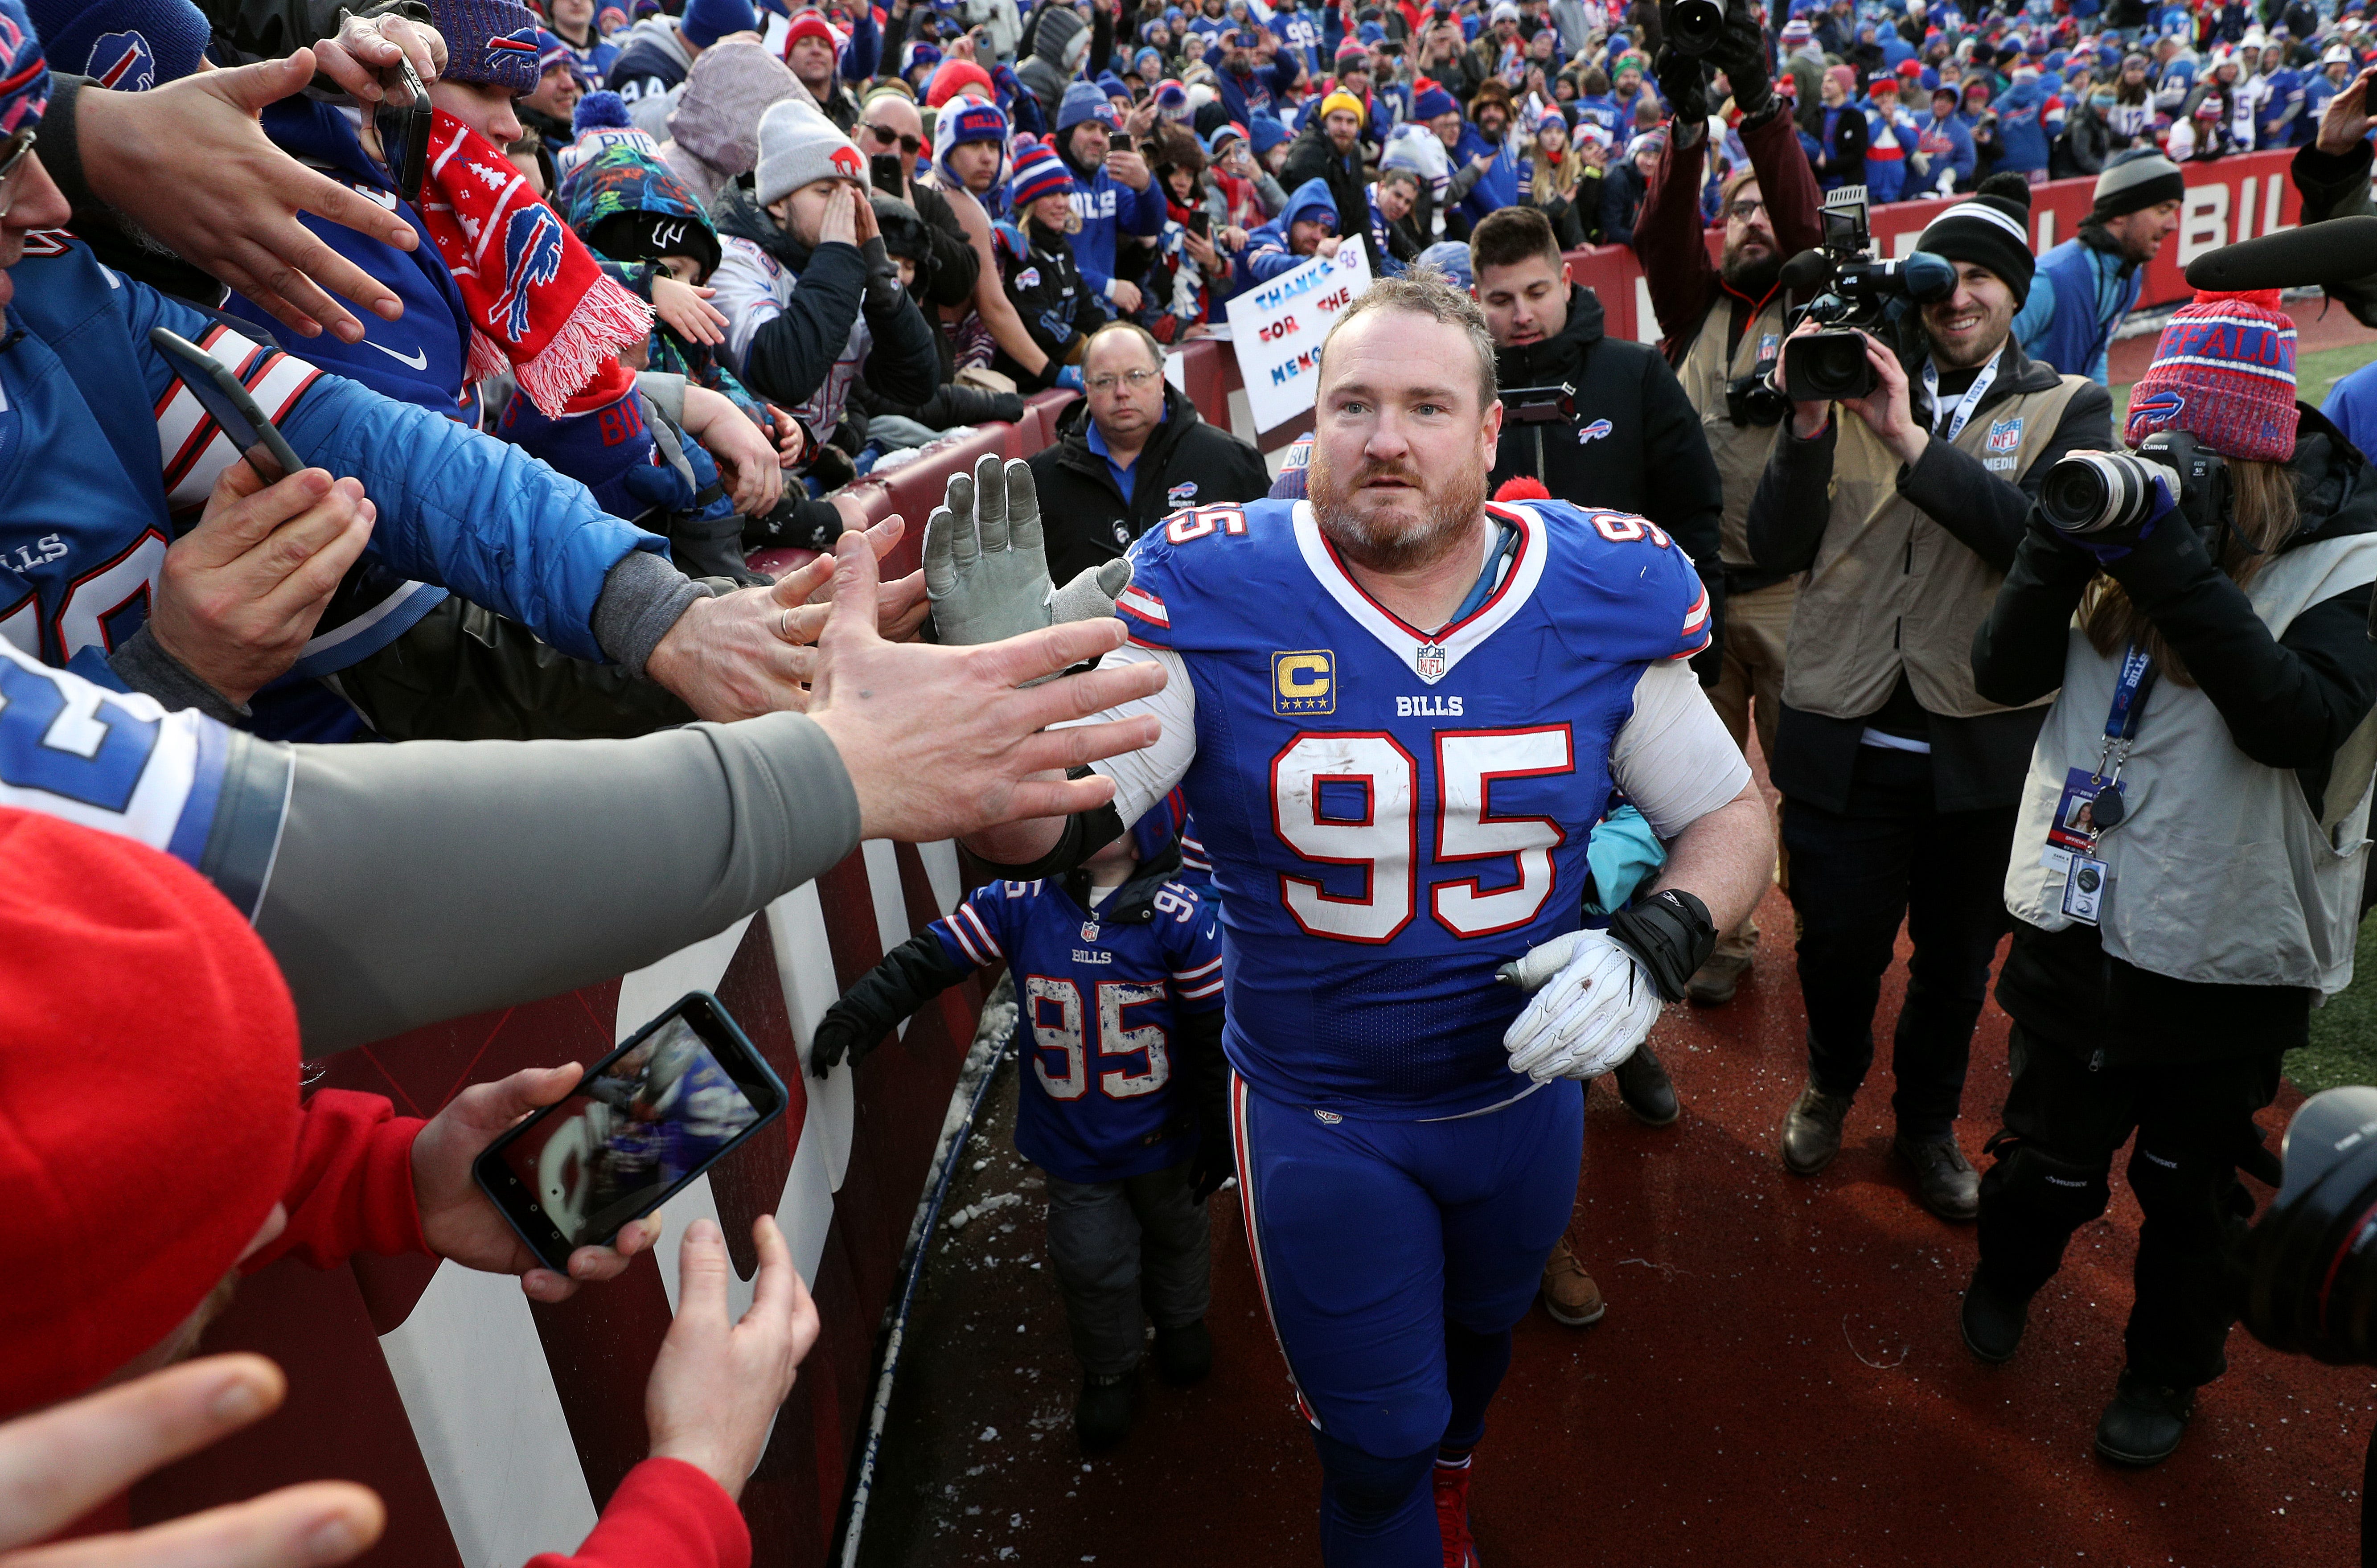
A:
1391,815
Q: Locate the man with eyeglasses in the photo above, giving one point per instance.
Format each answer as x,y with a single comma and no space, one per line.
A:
888,122
1719,324
1131,452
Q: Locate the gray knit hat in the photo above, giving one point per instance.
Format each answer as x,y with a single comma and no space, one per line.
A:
2134,180
799,146
725,93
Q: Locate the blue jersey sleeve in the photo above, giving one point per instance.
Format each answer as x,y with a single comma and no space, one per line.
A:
456,507
206,794
978,932
1637,597
1192,934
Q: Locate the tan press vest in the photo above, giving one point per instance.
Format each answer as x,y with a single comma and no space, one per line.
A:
1740,449
1891,589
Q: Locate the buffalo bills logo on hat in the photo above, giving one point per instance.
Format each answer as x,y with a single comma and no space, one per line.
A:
1594,431
123,61
531,258
846,161
2163,405
521,40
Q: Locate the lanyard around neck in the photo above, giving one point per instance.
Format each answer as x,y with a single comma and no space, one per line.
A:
1949,423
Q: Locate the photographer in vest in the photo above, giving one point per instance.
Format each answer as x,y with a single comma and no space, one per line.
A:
2186,864
1718,322
1903,509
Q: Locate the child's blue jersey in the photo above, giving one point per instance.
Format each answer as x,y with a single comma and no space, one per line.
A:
1391,815
1099,1003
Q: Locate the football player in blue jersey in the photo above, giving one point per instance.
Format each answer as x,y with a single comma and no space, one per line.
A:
1117,974
1397,711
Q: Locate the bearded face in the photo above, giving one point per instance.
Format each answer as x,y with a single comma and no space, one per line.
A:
1389,516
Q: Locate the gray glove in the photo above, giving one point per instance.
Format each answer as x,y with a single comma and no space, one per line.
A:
986,569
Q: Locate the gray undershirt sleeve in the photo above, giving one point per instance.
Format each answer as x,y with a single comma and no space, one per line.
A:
641,598
430,880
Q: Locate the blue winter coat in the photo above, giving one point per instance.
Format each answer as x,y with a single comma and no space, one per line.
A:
1496,188
1268,253
1106,207
2077,296
2023,134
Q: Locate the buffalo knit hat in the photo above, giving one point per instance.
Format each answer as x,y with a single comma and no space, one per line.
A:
707,21
1038,173
128,45
149,1077
968,120
490,42
24,73
798,146
2135,180
1991,229
2224,371
1083,101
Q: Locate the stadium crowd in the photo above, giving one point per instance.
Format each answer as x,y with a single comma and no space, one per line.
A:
642,292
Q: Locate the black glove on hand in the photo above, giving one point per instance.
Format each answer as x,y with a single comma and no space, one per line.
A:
845,1031
1741,54
1672,935
883,292
1213,1163
1683,82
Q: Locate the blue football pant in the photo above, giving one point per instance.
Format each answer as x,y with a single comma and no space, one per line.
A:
1395,1257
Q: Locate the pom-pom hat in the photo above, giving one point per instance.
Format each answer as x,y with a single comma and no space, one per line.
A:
1038,173
2224,371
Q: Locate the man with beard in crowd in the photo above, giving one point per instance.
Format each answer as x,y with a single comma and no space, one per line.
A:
1719,327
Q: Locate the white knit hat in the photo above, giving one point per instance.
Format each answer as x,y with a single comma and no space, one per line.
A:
799,145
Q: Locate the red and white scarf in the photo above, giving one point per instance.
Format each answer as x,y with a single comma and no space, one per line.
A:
540,305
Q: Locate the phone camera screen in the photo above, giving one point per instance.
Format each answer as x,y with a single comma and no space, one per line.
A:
626,1136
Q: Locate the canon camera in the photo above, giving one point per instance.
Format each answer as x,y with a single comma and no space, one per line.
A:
2108,497
1852,291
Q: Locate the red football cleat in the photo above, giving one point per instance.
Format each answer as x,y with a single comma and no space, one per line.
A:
1452,1515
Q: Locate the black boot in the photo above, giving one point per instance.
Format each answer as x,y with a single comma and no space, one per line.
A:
1644,1084
1108,1405
2144,1423
1993,1320
1184,1355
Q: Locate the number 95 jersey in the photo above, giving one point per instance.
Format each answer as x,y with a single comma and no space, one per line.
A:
1393,815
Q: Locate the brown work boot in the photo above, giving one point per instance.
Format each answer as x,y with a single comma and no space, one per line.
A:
1713,983
1945,1181
1570,1295
1812,1131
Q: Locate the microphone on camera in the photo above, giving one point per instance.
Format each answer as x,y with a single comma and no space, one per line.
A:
1808,272
2317,255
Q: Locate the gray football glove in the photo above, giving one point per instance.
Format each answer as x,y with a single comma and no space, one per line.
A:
986,568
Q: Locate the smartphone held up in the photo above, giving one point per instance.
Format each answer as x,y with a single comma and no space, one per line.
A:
680,1096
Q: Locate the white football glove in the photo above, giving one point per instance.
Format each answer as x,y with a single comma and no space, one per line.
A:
1593,1003
986,568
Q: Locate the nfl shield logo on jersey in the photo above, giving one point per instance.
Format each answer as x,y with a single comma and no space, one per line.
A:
1089,931
1430,662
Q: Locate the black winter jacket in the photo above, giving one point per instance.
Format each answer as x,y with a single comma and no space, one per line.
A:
1313,156
1977,763
1186,463
791,354
1048,292
2289,703
1648,457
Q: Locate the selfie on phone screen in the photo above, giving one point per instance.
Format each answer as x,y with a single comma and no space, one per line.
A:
627,1134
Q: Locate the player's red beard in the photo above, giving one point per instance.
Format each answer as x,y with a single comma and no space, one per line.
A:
1399,536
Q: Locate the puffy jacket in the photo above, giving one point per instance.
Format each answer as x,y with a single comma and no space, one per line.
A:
90,403
796,327
1269,250
1185,463
1044,71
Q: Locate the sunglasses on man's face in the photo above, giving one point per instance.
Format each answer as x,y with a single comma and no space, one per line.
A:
884,133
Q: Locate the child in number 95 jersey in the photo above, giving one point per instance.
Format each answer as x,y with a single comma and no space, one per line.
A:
1119,992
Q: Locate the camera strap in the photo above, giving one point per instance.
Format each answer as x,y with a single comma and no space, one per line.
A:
1954,419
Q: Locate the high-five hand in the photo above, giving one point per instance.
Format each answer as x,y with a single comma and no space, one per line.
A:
987,567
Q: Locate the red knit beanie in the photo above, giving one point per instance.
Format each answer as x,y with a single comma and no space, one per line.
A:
147,1100
2224,373
953,75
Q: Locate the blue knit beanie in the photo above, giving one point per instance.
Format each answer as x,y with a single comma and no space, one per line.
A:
129,45
1432,103
491,42
1267,133
1084,101
707,21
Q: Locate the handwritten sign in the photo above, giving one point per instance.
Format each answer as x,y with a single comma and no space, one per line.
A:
1276,327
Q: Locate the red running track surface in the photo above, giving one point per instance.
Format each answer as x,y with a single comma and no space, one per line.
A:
1779,1381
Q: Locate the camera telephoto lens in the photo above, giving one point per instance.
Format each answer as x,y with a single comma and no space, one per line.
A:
2312,1261
2096,493
1693,26
1826,367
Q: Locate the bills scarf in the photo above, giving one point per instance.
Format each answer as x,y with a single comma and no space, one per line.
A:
539,305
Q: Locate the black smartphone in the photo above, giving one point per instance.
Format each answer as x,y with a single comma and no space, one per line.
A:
683,1093
1118,141
404,130
884,169
229,405
1198,222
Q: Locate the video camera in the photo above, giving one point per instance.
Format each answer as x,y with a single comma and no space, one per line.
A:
2107,497
1851,291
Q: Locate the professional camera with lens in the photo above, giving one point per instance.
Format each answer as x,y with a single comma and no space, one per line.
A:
1851,291
1752,400
1691,26
2107,497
